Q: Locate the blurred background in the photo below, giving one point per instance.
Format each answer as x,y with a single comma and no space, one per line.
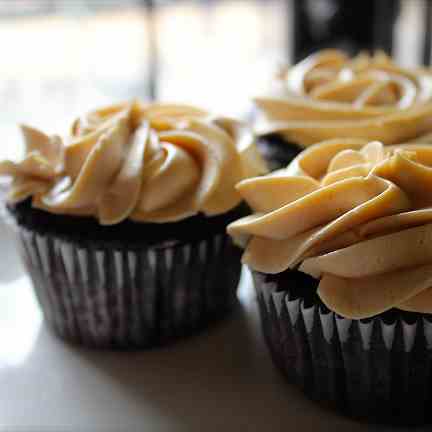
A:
63,57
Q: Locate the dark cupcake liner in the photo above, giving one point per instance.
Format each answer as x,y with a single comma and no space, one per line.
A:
132,298
276,151
377,369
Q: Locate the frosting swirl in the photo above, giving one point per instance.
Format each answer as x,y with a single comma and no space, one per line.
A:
356,215
150,163
330,95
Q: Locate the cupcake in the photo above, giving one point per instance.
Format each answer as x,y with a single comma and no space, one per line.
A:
330,95
121,224
340,248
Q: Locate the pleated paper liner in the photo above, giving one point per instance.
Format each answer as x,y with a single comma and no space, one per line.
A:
377,369
130,298
276,151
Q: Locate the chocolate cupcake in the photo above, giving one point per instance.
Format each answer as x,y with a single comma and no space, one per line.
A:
121,225
329,95
340,247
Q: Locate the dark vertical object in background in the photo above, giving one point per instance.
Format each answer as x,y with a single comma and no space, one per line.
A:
384,17
302,38
153,65
349,25
427,34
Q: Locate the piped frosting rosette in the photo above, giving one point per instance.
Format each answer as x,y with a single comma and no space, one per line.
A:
355,215
331,95
150,163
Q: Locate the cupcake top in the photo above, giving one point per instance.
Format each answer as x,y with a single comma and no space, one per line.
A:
331,95
150,163
356,215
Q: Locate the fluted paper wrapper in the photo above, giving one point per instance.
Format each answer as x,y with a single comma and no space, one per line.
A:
130,298
376,369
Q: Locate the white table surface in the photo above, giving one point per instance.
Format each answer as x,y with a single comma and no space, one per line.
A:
221,380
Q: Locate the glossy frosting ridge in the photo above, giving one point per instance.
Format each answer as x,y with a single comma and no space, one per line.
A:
329,95
354,214
150,163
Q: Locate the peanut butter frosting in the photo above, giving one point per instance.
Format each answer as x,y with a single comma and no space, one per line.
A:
150,163
355,215
330,95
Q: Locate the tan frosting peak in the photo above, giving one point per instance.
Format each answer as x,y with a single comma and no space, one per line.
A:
331,95
354,214
150,163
